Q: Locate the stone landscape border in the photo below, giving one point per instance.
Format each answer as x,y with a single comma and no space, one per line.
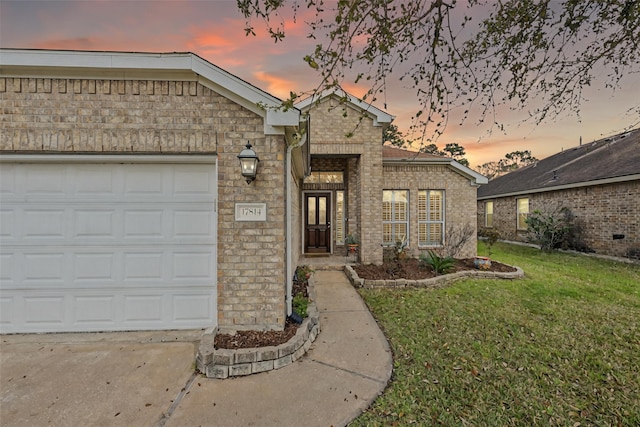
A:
224,363
432,282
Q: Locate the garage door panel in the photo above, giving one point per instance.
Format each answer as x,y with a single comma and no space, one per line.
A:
94,223
44,311
193,223
7,262
44,269
7,224
107,247
145,180
144,223
46,180
141,266
43,223
95,180
99,311
8,185
188,182
193,265
188,308
143,308
99,268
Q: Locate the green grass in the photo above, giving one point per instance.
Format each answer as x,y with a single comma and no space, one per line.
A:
560,347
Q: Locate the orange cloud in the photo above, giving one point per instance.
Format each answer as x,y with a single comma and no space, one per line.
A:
278,86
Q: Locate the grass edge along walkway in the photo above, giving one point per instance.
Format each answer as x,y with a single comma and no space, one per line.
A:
559,347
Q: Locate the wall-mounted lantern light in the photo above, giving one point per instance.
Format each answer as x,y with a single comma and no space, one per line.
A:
248,163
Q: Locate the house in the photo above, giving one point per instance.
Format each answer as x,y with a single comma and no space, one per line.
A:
598,182
124,207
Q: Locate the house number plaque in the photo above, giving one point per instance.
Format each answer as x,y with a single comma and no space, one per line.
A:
251,211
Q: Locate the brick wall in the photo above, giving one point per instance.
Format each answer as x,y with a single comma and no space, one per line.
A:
460,198
601,211
147,116
330,124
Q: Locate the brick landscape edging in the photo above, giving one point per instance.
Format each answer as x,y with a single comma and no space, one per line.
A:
433,282
224,363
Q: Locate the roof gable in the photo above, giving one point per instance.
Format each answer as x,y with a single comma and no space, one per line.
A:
133,65
380,118
615,158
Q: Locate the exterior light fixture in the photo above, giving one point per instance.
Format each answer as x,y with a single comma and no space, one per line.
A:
248,163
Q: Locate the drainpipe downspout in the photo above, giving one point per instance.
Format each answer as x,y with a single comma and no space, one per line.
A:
289,226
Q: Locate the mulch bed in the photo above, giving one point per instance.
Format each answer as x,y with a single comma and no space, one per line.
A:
255,339
410,269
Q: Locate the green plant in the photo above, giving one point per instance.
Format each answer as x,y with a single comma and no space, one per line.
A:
490,236
351,240
303,272
439,264
549,227
300,303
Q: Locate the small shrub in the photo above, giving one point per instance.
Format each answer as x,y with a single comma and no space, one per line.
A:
303,272
299,304
439,264
550,227
457,237
490,236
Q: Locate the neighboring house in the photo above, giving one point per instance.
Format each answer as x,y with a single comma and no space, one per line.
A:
598,182
122,205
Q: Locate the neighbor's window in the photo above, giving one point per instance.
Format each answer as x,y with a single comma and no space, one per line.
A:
339,225
395,216
325,178
488,214
430,218
523,212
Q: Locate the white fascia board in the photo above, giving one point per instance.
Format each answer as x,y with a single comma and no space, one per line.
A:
108,158
478,178
125,65
379,117
635,177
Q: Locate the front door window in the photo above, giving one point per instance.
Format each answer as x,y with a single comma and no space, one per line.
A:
318,224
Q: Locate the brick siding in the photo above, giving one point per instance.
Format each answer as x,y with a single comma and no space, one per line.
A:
601,211
460,199
146,116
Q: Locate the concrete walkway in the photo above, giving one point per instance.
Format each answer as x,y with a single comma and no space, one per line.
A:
146,379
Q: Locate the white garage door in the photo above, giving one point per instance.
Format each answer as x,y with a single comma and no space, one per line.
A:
107,246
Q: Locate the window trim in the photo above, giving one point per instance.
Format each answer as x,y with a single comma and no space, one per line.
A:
340,220
486,213
520,214
427,222
392,222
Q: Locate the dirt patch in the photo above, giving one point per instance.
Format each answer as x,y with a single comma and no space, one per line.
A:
410,269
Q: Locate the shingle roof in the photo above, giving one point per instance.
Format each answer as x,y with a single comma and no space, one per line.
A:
398,153
608,158
394,155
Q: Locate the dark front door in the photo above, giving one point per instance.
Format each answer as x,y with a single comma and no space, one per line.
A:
317,235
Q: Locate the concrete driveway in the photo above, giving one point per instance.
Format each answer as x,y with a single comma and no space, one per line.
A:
148,379
98,379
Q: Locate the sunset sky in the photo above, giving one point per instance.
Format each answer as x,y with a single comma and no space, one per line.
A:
214,30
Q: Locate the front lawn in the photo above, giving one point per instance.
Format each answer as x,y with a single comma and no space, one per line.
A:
560,347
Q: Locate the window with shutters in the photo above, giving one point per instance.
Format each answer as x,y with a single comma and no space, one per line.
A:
430,218
395,216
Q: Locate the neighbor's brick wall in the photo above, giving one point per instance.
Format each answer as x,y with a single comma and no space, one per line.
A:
330,122
460,198
601,211
146,116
